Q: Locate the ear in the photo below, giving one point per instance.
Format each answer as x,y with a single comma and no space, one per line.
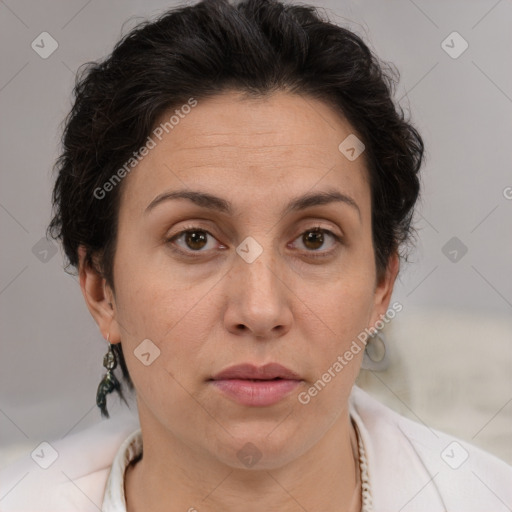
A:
99,298
384,289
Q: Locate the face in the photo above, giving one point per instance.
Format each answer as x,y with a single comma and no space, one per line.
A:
274,265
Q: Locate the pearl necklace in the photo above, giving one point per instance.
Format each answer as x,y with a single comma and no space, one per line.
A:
366,495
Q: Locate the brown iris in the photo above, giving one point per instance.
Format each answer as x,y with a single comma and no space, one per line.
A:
313,239
196,239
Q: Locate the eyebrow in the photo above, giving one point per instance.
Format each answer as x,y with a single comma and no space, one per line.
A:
211,202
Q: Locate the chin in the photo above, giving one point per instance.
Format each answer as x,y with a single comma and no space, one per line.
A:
261,445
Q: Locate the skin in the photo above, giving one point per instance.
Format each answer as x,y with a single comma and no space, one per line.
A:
215,310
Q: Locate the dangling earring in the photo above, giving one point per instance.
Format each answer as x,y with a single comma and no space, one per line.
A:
376,354
109,382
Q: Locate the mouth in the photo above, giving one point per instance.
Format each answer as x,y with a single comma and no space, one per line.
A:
261,380
249,371
255,386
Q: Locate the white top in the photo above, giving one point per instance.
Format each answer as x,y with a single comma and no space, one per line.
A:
410,468
114,499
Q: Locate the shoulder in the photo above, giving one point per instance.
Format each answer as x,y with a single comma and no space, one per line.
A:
66,474
415,467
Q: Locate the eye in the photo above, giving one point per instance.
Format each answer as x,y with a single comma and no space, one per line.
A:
315,238
197,240
193,239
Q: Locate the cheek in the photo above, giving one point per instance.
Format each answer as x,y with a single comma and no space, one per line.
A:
179,327
344,305
173,309
173,317
336,318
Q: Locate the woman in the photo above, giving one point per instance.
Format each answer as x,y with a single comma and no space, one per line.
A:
235,190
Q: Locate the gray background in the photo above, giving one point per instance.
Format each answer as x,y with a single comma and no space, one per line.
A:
51,350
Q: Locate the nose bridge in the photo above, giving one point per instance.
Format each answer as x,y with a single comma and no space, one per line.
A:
258,299
257,267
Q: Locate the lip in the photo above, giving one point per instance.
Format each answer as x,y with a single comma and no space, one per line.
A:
257,386
249,371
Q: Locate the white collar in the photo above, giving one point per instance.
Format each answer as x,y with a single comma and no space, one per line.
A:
114,499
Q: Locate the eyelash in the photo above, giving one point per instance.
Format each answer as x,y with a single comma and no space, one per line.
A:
311,254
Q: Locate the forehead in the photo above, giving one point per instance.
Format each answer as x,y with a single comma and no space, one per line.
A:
284,143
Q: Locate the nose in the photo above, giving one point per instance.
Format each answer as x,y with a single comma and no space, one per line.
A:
258,299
